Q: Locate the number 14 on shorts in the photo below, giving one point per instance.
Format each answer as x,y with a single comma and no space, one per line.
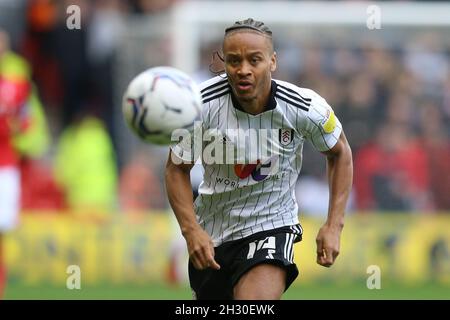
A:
267,243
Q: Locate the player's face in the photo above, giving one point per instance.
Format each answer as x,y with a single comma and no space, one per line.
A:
249,62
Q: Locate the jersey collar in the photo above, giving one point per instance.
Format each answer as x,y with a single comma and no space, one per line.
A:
272,103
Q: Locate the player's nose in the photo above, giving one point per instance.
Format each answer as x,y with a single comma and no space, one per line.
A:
244,69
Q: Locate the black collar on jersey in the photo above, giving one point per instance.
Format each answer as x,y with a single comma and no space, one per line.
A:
272,103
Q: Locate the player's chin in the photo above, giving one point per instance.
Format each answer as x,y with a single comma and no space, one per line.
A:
245,96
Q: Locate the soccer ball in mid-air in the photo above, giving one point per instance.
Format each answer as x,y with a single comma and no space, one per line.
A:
159,101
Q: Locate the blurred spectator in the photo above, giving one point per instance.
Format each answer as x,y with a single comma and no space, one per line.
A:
400,109
361,113
446,101
39,189
104,34
59,55
437,149
151,6
38,48
70,49
139,188
426,59
85,167
378,61
312,194
391,173
22,134
345,62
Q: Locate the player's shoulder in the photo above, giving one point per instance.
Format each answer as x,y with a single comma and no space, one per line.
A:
300,97
213,86
288,87
212,90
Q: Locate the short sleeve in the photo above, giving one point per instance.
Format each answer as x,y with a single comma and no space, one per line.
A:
184,149
323,127
189,148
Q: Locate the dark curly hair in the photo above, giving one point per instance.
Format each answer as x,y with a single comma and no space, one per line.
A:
250,24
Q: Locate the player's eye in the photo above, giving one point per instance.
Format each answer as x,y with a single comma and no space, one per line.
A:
255,60
233,60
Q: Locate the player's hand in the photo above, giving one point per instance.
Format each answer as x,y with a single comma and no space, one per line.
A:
201,249
328,243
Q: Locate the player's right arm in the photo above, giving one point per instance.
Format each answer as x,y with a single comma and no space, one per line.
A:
179,192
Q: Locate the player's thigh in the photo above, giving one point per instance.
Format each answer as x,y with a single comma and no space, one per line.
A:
262,282
264,266
9,197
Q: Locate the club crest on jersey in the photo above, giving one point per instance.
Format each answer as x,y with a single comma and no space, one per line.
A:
286,136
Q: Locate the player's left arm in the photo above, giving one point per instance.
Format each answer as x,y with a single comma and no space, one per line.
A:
340,177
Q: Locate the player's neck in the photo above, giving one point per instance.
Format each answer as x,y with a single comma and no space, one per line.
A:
256,106
253,107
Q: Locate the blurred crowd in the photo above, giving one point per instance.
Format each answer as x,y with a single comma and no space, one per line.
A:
72,70
394,104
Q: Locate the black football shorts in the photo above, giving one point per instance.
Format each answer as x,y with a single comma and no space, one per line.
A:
237,257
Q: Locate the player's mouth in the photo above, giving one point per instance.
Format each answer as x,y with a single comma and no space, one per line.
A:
244,85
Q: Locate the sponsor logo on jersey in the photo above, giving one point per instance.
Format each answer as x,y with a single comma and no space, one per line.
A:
244,170
259,170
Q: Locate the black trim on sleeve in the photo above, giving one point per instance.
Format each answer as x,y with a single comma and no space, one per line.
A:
216,96
213,86
289,101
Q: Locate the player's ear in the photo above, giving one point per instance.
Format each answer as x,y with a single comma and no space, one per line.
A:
273,62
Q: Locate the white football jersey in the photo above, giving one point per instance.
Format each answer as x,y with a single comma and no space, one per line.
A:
252,162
